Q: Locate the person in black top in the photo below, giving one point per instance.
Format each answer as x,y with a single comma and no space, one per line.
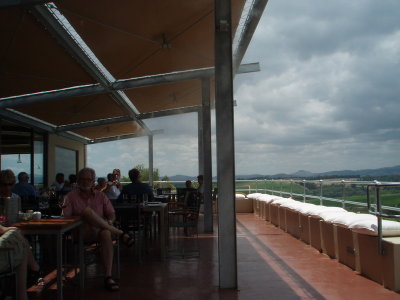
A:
136,187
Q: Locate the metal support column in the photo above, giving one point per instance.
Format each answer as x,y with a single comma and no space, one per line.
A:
225,145
151,177
200,141
207,163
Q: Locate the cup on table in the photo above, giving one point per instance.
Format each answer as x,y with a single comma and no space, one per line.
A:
36,216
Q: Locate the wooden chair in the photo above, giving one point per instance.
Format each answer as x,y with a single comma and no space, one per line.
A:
130,219
8,277
183,221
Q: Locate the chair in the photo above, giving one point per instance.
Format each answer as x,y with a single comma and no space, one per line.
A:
130,219
8,273
183,221
29,202
161,191
91,255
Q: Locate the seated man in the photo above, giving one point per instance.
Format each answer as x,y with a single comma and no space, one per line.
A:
23,188
97,211
136,187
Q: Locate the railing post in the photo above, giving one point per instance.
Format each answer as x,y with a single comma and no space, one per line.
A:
256,185
291,188
281,188
272,184
265,186
320,192
304,190
379,216
343,200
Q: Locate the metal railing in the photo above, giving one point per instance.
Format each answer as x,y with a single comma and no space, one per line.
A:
317,191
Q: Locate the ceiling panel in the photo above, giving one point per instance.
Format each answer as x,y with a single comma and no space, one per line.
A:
109,130
31,60
74,110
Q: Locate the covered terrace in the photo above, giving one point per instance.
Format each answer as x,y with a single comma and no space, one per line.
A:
77,73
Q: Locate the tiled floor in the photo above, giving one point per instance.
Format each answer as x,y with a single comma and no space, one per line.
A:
271,265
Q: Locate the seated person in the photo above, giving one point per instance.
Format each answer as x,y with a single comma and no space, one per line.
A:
22,257
98,213
136,187
101,184
113,187
23,188
71,184
58,184
12,204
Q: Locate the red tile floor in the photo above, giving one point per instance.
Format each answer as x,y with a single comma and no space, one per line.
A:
271,265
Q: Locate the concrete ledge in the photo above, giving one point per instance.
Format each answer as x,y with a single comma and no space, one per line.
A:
244,205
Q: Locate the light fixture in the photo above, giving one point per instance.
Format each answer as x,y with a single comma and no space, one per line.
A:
19,161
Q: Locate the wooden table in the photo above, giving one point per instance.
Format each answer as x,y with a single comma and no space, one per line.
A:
57,227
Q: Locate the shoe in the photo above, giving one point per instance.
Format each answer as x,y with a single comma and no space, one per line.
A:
110,284
35,278
127,240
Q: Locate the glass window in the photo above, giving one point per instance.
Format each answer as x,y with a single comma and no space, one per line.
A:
66,161
38,159
15,147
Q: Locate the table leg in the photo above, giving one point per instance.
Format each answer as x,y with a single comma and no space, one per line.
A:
59,267
163,233
81,258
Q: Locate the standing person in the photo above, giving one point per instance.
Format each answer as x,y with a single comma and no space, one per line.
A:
200,180
117,174
98,213
188,184
11,202
136,187
23,188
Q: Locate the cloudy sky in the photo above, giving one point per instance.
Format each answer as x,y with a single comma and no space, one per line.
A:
327,96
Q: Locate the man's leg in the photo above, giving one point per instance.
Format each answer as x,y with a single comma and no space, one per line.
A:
107,253
95,220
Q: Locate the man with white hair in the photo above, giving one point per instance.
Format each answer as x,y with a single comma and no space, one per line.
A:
97,211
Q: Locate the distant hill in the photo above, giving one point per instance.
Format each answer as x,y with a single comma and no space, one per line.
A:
306,174
182,178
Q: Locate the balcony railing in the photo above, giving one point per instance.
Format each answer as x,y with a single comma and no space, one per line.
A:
352,195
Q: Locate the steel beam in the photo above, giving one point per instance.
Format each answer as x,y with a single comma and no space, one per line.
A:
151,155
225,145
162,78
93,123
207,155
93,89
248,30
169,112
69,38
124,136
200,142
10,3
38,124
